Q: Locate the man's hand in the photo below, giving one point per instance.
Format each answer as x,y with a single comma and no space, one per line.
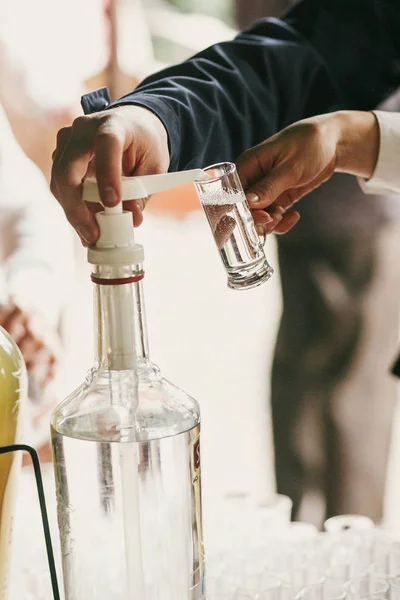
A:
128,140
38,351
292,163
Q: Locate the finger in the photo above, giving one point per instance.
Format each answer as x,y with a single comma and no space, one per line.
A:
138,161
261,216
288,221
268,189
291,197
83,222
136,207
266,222
284,202
69,170
109,147
94,207
91,169
62,140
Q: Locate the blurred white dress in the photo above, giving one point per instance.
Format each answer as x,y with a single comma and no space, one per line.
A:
36,244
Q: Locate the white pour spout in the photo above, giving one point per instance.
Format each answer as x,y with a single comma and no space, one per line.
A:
115,224
143,186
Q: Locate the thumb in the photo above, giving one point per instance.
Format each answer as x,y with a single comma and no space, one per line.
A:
269,188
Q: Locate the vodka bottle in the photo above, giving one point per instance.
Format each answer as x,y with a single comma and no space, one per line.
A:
126,451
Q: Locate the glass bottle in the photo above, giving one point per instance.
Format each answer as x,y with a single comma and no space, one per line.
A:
126,451
13,392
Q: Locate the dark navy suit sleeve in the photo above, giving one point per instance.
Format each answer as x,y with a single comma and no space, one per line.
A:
235,94
323,55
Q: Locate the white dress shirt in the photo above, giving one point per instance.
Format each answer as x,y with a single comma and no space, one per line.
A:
386,177
36,243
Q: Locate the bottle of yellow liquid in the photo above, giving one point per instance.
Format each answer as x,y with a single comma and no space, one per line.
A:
13,391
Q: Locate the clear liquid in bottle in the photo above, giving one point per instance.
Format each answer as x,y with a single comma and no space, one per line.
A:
93,483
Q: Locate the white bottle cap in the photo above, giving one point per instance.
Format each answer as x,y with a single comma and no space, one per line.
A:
116,244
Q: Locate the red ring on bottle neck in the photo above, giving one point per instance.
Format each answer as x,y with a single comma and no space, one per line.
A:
118,281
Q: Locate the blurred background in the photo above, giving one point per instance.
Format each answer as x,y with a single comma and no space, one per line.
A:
201,333
215,343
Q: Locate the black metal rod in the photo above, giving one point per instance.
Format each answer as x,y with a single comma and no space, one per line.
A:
43,510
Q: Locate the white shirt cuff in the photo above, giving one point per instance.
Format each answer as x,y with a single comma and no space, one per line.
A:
386,177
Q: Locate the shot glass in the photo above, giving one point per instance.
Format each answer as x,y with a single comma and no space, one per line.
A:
225,205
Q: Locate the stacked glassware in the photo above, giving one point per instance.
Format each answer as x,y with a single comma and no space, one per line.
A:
257,554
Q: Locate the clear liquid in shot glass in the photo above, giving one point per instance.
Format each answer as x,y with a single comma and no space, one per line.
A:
232,226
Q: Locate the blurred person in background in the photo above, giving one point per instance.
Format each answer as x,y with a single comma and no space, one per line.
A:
340,293
42,72
321,56
36,262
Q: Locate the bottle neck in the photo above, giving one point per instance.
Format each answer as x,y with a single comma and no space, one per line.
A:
141,335
120,328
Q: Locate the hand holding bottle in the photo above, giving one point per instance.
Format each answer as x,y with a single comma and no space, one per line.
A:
127,140
280,171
